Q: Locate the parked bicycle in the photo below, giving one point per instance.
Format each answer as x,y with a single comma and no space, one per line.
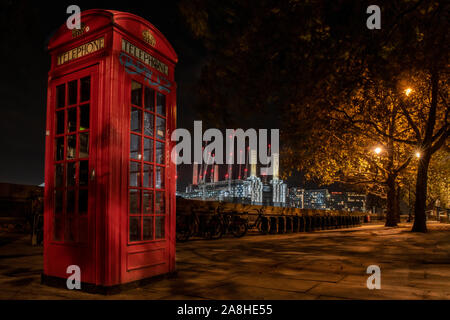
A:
201,225
261,223
234,224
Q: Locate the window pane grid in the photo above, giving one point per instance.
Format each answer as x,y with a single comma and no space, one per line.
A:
146,216
71,165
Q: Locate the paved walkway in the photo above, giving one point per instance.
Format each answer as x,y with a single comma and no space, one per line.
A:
320,265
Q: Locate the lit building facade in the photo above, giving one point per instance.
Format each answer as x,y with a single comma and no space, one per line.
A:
316,199
295,197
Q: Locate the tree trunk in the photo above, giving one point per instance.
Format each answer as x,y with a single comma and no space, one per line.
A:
397,203
391,214
420,221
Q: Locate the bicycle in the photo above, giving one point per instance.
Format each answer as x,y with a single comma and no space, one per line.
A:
233,223
261,223
209,227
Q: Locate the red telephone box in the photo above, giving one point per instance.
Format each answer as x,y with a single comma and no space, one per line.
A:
109,182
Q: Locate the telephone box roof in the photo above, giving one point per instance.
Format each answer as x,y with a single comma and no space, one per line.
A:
95,20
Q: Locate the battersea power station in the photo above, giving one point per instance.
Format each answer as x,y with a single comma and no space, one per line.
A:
238,186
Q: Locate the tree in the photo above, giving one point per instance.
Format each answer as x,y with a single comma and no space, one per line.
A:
438,181
426,111
279,61
361,142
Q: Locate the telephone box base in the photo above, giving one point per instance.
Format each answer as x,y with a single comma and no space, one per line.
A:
57,282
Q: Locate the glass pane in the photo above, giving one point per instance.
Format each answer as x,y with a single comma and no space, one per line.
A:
135,174
71,146
84,117
71,119
147,202
136,93
135,205
135,228
135,147
159,178
59,194
61,95
148,150
82,201
59,175
70,201
84,145
84,173
59,154
159,152
160,127
161,104
70,229
136,115
83,229
60,122
148,176
72,92
57,228
149,96
148,124
71,173
148,228
160,202
159,227
85,89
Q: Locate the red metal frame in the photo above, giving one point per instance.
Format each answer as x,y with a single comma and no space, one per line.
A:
106,50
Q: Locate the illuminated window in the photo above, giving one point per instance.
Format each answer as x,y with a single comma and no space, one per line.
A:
146,182
71,160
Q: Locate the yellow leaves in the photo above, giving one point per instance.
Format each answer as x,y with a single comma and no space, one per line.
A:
221,73
275,10
196,18
346,55
228,52
419,34
305,37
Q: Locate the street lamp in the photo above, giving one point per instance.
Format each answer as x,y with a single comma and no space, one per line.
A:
378,150
418,155
408,91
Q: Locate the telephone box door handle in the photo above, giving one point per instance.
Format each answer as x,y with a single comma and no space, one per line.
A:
93,174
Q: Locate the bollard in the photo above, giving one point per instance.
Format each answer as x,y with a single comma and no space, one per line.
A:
265,225
316,223
307,223
295,224
312,225
289,224
273,225
333,222
328,222
301,225
281,225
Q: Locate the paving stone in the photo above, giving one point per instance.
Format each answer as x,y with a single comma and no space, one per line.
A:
329,264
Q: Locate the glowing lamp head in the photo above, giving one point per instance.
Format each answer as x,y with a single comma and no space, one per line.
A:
408,91
417,154
377,150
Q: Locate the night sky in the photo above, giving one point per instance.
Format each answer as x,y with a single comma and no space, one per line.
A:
26,27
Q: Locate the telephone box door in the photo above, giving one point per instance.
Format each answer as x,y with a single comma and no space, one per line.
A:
71,180
148,168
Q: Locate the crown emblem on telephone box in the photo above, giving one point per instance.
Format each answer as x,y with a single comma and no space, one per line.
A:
148,37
